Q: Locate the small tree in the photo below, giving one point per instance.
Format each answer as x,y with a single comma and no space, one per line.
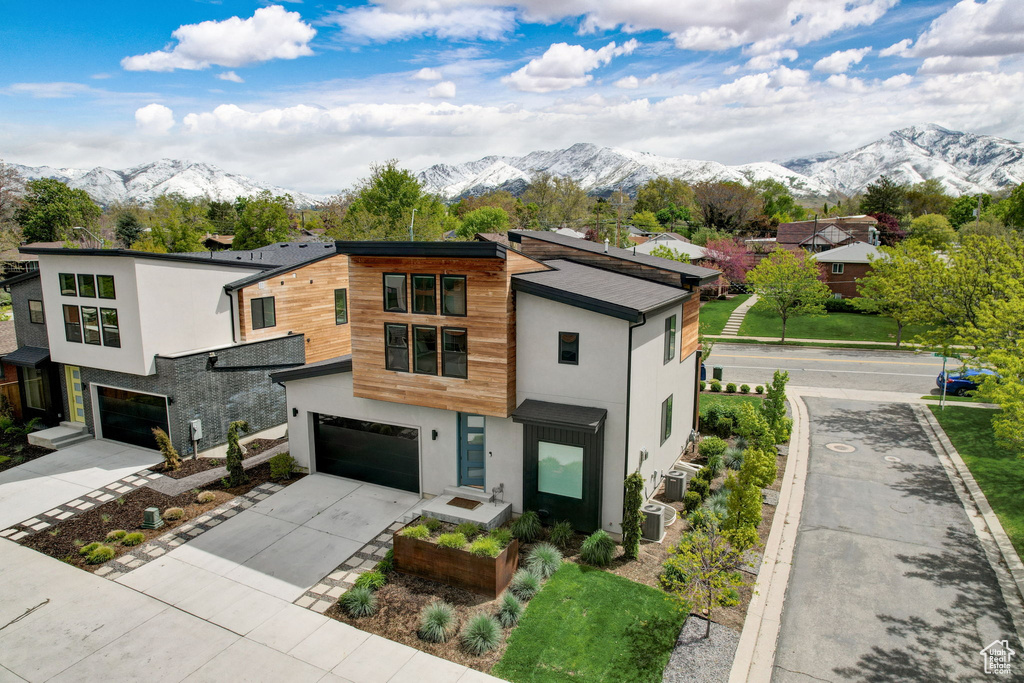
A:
703,571
789,285
742,504
885,291
171,459
773,408
236,472
932,229
129,229
632,522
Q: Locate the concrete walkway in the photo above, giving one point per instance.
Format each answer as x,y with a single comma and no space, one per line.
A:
732,325
725,336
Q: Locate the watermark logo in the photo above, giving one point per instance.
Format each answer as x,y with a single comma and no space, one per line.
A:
998,656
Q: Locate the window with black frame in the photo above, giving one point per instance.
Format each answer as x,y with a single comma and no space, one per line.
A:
396,347
91,325
670,338
263,313
453,295
455,352
72,324
394,293
86,285
666,419
340,307
424,350
569,348
68,287
35,312
111,330
105,286
424,294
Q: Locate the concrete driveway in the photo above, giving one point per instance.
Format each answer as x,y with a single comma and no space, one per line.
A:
889,580
44,483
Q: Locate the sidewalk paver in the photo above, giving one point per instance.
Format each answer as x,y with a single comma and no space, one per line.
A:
732,325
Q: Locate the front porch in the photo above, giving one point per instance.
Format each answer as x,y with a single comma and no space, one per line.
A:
464,504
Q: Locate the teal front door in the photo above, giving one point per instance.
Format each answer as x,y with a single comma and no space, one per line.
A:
471,450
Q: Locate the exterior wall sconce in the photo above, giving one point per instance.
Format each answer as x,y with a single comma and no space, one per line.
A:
295,412
433,435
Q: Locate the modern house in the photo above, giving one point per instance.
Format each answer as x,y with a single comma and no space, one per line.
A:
541,373
821,234
117,342
844,266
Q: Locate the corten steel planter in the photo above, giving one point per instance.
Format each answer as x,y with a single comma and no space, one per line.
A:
459,568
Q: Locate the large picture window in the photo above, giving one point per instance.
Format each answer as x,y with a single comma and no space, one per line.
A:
72,324
340,307
560,469
455,352
424,294
666,419
424,350
105,286
453,295
396,347
394,293
670,338
67,285
34,396
263,313
569,348
35,312
111,330
86,285
91,324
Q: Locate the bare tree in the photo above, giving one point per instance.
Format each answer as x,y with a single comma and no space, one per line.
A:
726,205
12,185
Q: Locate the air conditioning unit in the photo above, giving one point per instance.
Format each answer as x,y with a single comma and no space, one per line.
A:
675,484
654,522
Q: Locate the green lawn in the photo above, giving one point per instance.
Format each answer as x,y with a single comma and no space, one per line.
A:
588,625
733,400
852,326
714,314
955,399
999,473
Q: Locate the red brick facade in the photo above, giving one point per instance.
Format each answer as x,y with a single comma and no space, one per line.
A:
844,283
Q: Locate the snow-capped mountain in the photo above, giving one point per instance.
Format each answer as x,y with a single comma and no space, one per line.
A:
142,183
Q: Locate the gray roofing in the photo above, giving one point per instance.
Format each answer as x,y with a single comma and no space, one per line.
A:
857,252
330,366
560,415
28,356
287,256
692,274
20,277
598,290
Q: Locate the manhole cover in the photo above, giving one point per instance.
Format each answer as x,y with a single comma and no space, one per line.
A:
840,447
892,458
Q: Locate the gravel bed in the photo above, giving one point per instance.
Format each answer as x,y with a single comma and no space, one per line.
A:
699,660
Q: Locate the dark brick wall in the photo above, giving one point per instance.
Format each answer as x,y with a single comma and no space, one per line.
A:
845,283
27,332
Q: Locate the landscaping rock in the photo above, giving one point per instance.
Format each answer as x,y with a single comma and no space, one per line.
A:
696,659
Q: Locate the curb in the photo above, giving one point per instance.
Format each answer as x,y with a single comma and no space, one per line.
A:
755,654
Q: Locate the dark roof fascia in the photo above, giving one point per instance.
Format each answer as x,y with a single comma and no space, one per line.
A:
208,351
627,313
547,413
266,275
423,249
147,255
28,356
333,366
20,277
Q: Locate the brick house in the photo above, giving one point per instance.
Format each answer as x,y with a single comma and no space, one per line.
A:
843,266
821,234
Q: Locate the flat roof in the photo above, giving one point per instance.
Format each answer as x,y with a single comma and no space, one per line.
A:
565,415
474,249
858,252
330,366
20,277
28,356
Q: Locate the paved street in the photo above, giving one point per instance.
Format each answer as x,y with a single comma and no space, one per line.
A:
817,367
889,580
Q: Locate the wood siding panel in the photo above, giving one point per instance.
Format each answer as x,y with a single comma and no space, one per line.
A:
545,251
515,263
690,328
489,388
303,302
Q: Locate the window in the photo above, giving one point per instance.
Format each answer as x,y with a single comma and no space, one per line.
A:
453,295
670,338
666,419
455,352
394,293
837,268
86,285
263,313
111,331
569,348
560,469
340,307
67,285
72,324
424,350
33,388
35,312
105,286
91,324
837,296
396,347
424,298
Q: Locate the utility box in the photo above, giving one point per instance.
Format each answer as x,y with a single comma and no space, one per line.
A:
653,528
717,372
195,428
675,484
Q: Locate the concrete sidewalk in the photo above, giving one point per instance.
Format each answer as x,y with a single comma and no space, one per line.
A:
884,345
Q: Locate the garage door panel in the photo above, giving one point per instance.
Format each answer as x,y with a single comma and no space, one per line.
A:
130,417
347,448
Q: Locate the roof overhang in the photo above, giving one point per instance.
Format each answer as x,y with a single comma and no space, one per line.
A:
561,415
331,366
423,249
632,315
131,253
20,277
28,357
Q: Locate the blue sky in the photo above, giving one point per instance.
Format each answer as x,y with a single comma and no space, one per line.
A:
307,95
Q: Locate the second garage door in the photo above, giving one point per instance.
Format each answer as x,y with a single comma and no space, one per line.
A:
130,417
374,452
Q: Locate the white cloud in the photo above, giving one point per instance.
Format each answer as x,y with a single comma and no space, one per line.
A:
444,90
154,119
427,74
632,82
847,83
971,29
897,49
230,76
270,33
380,25
770,60
49,91
841,61
958,65
565,66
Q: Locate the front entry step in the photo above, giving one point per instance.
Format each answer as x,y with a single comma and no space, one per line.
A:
469,492
488,515
67,434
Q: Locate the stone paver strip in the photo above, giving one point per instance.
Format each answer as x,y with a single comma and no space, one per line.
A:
174,487
342,578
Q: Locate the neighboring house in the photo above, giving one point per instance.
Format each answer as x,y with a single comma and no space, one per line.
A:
821,234
844,266
9,373
569,232
691,251
218,242
123,341
545,373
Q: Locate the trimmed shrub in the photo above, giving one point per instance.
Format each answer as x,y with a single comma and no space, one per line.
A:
759,389
502,535
88,548
527,528
281,466
481,634
703,385
452,540
598,549
730,388
699,519
715,465
691,500
206,497
632,518
437,622
718,420
236,471
716,503
705,474
101,554
699,486
419,531
561,534
134,538
716,385
841,306
172,514
431,523
115,535
744,388
524,584
469,529
485,546
733,458
711,444
387,565
544,560
509,610
373,580
359,602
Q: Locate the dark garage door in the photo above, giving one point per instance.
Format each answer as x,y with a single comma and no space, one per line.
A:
373,452
130,417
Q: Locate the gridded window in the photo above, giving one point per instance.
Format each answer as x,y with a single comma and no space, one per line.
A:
424,295
72,324
35,312
111,331
394,293
263,313
424,350
340,307
453,295
670,338
105,286
455,352
837,268
91,324
569,348
35,397
666,419
86,285
396,347
67,285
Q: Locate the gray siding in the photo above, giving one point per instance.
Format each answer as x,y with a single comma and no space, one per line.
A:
27,332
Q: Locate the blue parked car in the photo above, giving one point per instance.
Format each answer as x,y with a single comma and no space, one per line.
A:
959,383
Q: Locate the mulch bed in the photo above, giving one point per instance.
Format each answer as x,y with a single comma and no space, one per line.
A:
18,451
63,540
192,466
